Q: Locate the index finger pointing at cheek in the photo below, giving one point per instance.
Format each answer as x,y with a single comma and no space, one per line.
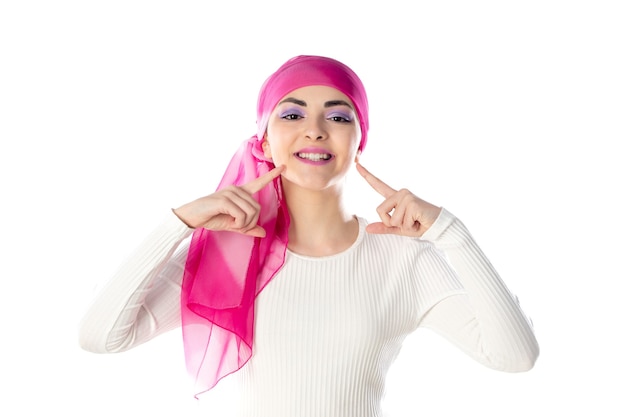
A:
258,183
380,187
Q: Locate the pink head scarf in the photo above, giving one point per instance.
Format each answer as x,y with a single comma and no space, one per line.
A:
225,271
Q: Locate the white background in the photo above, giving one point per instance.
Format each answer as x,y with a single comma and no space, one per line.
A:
510,114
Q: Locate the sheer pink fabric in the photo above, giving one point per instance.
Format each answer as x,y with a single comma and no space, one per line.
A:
225,271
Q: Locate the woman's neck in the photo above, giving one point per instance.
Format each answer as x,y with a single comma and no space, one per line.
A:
320,224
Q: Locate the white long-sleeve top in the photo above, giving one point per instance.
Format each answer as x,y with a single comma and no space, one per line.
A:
327,329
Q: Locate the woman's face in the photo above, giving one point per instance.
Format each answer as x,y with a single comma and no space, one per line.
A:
315,133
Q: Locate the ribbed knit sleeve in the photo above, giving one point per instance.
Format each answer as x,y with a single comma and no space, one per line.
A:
487,322
142,300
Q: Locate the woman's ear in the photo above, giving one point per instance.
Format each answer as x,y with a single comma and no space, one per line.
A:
358,155
266,148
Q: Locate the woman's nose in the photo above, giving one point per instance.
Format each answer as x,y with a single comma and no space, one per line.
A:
315,130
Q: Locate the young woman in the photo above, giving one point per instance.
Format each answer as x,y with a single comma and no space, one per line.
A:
305,302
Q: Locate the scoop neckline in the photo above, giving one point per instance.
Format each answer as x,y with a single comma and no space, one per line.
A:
356,243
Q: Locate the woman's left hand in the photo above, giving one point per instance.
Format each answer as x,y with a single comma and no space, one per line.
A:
402,212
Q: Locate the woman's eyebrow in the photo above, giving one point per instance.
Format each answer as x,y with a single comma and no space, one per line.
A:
327,104
333,103
294,100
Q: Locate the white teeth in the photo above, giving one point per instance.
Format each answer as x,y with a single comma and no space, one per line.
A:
314,156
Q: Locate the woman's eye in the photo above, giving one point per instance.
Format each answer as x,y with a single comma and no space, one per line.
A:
291,114
340,118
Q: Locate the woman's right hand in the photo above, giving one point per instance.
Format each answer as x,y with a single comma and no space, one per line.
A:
232,208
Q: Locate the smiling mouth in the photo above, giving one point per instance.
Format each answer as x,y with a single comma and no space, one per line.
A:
314,156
